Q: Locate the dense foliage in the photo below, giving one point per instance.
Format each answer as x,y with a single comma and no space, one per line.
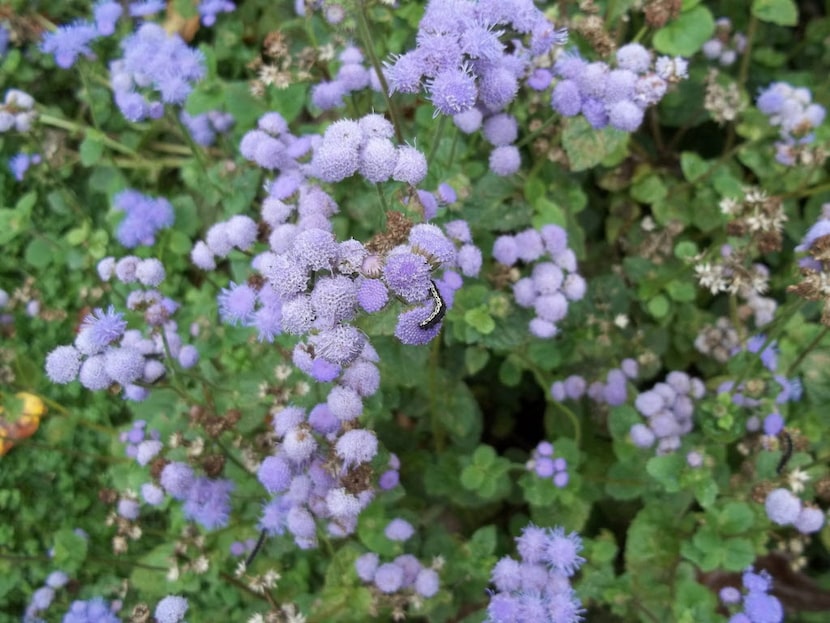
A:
465,310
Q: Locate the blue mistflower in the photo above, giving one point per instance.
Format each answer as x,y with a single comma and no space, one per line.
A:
106,13
344,403
411,166
102,328
69,42
408,276
171,609
63,364
339,345
209,9
409,330
388,577
236,304
208,502
453,91
505,160
145,216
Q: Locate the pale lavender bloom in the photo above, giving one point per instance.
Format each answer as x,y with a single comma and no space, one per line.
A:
69,42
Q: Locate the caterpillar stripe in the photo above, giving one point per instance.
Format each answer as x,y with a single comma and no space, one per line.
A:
786,453
438,312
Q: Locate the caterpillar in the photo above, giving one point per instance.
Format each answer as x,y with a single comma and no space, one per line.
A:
438,312
786,453
256,549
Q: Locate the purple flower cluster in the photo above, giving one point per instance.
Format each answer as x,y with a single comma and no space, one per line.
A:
17,111
758,606
365,147
352,76
144,216
96,610
140,446
274,148
69,42
613,97
722,47
785,390
817,230
43,597
461,59
668,408
204,500
314,472
20,163
792,111
171,609
204,128
784,508
209,9
154,61
552,283
612,392
537,587
105,352
404,574
545,465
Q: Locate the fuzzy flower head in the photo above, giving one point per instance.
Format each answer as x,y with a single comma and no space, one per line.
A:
144,217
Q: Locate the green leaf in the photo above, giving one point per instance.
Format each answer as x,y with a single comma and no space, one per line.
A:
69,551
738,554
685,35
587,147
483,541
475,358
659,306
685,249
472,477
735,518
682,291
649,189
781,12
91,149
480,319
15,221
666,470
693,166
484,455
510,372
39,253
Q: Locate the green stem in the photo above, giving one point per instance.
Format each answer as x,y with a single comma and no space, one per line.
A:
751,31
158,163
439,132
806,351
384,206
438,430
453,147
532,136
366,37
71,126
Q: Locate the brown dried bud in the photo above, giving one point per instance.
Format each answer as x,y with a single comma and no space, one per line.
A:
397,231
157,466
736,228
140,613
108,496
256,281
213,464
659,12
823,488
760,492
232,417
196,414
769,242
